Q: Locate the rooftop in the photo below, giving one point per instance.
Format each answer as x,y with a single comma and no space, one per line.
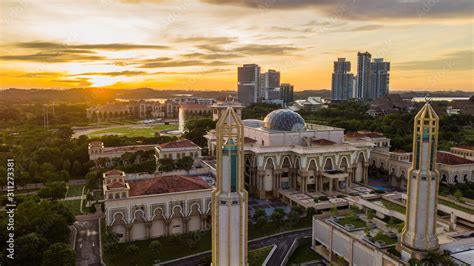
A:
114,173
451,159
181,143
166,184
364,134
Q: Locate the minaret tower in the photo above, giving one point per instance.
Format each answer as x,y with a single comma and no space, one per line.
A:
419,234
229,198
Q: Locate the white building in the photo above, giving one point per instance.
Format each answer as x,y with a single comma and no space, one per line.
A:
178,149
155,207
283,154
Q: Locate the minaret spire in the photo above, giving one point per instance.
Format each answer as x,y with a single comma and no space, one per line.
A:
419,234
229,198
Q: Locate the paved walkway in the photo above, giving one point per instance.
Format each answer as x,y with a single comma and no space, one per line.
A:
283,242
87,240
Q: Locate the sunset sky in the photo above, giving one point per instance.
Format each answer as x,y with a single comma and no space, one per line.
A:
191,44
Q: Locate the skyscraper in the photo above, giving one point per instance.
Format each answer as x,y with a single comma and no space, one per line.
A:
419,234
229,198
379,78
269,81
363,75
248,83
342,81
286,93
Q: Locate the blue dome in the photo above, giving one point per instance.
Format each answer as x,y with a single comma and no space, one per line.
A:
284,120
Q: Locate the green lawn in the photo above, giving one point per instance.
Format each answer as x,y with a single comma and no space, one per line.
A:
144,131
172,248
258,256
393,206
384,238
177,247
303,254
75,190
452,205
356,222
73,205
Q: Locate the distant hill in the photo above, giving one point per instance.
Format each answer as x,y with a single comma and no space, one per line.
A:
80,95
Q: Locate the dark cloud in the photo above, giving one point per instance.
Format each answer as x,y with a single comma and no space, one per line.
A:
83,82
459,60
288,29
54,57
262,49
167,62
108,46
367,9
212,56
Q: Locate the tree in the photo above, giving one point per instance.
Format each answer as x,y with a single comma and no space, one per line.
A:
185,163
334,210
92,180
278,215
76,169
458,195
53,190
370,214
310,212
155,246
111,242
196,129
29,248
293,217
67,165
132,249
59,254
166,165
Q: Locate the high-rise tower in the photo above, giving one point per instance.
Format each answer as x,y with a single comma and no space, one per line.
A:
342,80
379,78
363,77
419,234
248,84
229,198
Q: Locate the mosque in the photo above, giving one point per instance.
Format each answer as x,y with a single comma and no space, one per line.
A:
285,155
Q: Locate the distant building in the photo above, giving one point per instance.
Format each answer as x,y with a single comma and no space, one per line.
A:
160,206
310,104
379,78
143,109
363,75
287,93
342,80
97,150
389,104
465,107
248,84
178,149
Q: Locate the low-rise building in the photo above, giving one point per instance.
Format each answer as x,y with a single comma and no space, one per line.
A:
97,150
178,149
155,207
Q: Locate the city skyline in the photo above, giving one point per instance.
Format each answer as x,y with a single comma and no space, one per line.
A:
199,44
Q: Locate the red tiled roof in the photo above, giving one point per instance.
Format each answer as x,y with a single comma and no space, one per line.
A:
451,159
323,142
249,140
364,134
113,172
133,148
116,185
195,106
166,184
182,143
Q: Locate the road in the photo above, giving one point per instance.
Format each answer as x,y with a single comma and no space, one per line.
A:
87,241
283,242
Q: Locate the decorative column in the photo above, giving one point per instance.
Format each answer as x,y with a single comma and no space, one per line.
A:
148,225
167,227
185,224
128,232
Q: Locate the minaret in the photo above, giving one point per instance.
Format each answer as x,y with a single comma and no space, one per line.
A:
229,198
419,234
